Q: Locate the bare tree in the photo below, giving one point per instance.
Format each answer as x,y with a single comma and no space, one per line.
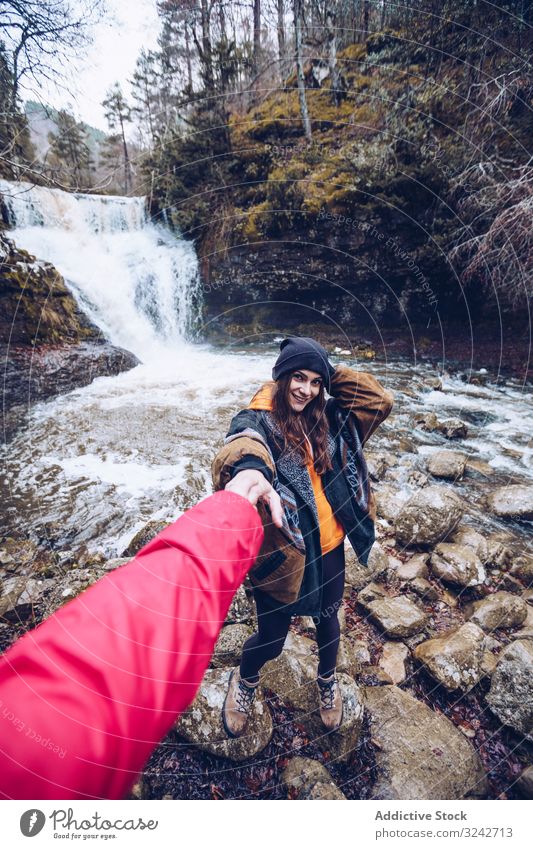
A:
41,36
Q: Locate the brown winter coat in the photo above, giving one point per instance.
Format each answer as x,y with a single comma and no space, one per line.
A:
280,566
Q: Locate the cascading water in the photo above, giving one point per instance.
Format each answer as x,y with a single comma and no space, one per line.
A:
136,280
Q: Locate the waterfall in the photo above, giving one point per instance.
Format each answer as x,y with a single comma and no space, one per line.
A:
135,279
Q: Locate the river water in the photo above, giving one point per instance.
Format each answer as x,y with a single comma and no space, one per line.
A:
101,461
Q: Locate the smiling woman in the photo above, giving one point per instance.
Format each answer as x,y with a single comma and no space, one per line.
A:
311,450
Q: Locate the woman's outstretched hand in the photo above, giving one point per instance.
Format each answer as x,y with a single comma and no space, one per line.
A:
253,485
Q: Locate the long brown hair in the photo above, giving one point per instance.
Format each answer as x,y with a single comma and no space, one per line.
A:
311,422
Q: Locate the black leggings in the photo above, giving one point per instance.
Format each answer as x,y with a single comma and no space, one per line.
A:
273,625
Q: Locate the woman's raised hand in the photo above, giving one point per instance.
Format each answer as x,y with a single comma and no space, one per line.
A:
253,486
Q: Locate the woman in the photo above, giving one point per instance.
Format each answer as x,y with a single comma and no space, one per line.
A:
310,449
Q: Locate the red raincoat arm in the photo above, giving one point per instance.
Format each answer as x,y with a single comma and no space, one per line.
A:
86,696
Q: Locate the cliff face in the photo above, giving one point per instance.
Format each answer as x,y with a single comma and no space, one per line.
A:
36,306
48,346
359,225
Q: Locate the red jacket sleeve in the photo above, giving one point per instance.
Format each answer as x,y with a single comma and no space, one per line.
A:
86,696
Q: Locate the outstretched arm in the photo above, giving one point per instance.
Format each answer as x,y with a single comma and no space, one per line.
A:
87,695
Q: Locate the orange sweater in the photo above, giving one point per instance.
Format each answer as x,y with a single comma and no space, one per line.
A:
331,530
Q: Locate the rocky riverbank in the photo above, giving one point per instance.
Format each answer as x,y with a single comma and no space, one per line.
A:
436,657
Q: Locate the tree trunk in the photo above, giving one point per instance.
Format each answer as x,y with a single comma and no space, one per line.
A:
366,15
281,37
332,57
257,35
297,9
207,53
127,170
188,56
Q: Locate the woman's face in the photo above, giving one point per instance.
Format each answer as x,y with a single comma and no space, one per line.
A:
304,386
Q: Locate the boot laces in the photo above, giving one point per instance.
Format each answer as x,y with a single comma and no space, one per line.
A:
245,697
327,693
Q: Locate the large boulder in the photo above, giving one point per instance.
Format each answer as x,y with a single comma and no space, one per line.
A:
398,616
512,502
500,610
511,689
228,648
455,658
428,516
447,464
201,724
419,754
305,778
457,564
292,677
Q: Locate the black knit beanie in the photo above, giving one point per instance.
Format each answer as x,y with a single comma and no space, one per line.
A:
301,352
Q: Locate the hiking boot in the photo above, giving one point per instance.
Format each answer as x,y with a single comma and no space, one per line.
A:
238,704
330,702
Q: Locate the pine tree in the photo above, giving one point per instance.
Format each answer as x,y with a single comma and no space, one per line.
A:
118,114
70,155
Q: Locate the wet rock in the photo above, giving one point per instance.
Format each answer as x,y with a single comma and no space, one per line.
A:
377,465
292,677
500,610
457,564
71,585
305,778
357,575
428,516
524,783
511,689
453,429
16,554
526,631
370,593
512,502
466,535
416,567
447,464
389,502
522,568
454,659
115,563
426,421
143,537
201,724
527,595
498,553
397,617
21,597
479,468
241,610
423,589
393,661
419,754
361,651
10,592
323,790
374,676
228,648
